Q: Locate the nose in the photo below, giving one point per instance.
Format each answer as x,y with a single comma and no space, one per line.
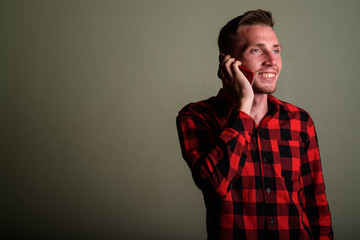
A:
270,59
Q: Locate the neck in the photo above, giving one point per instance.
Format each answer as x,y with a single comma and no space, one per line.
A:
259,108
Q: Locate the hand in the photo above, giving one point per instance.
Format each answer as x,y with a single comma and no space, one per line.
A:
235,83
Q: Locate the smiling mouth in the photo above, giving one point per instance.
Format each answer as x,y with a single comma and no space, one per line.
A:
267,75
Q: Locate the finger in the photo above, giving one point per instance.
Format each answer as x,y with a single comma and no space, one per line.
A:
221,74
235,68
222,57
238,74
227,67
224,72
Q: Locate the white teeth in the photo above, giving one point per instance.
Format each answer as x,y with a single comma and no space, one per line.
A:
269,75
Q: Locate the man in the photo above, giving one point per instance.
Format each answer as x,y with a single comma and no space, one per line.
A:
255,158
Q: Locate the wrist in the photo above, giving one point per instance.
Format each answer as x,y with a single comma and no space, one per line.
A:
245,105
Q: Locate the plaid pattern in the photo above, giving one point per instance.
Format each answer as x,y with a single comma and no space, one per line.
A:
258,182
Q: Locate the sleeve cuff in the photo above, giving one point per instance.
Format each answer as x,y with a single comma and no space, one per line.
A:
242,124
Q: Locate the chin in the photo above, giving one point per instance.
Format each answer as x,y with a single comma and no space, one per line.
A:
264,89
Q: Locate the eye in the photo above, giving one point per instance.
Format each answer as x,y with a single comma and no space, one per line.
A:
277,51
255,50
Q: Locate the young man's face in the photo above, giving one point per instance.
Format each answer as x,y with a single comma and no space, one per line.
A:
258,49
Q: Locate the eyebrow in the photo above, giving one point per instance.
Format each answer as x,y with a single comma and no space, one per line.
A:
261,45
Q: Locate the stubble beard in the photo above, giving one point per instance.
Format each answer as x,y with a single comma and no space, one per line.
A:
259,89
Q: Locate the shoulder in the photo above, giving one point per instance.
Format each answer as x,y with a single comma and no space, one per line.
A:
291,111
199,108
209,113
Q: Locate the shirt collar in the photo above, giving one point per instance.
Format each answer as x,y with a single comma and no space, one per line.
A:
274,103
278,103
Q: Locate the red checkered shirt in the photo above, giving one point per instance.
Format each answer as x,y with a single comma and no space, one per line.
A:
258,182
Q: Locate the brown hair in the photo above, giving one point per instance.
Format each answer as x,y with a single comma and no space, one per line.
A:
229,32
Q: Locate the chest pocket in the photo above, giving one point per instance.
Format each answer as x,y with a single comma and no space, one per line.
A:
287,159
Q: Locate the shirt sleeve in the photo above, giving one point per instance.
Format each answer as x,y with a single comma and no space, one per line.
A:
313,188
216,158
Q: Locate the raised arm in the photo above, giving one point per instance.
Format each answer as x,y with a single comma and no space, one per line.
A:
215,157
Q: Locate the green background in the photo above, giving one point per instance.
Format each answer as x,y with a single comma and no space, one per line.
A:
89,92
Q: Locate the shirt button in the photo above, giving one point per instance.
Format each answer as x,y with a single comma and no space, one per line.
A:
249,133
272,220
268,190
264,160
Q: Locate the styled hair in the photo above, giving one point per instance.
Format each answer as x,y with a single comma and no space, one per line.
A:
230,31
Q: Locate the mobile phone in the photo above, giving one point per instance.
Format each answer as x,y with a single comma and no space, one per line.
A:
248,74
